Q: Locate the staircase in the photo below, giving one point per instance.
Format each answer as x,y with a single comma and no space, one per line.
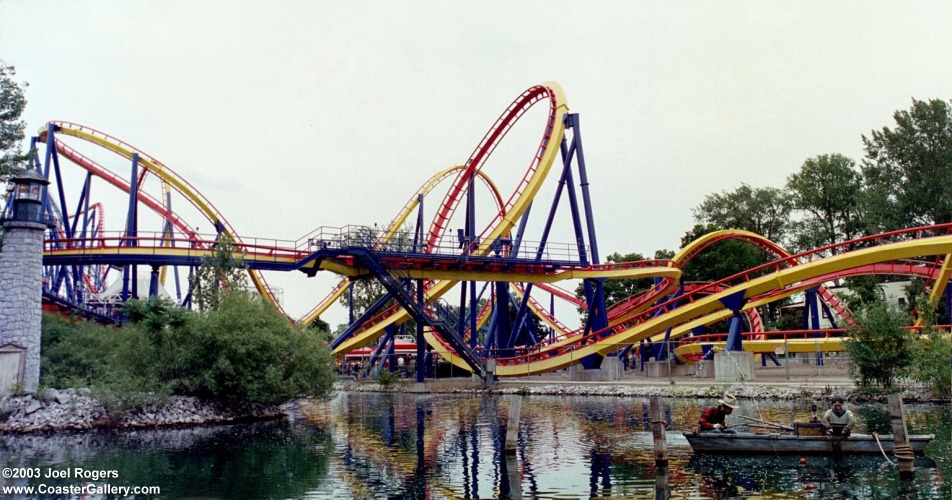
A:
436,317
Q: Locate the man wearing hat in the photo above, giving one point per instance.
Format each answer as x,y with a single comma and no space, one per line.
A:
712,418
838,420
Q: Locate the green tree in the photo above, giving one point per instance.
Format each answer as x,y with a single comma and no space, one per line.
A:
904,168
880,349
366,292
765,211
620,289
826,191
158,316
246,351
243,351
721,259
223,270
76,353
12,104
664,254
321,328
933,360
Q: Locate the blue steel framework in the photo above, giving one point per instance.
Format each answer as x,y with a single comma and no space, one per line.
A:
65,276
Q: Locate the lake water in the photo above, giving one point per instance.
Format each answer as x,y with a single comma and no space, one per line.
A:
362,445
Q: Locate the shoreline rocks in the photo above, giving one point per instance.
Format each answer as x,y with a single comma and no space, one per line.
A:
76,409
745,391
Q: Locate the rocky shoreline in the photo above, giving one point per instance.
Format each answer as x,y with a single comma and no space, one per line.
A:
743,391
78,410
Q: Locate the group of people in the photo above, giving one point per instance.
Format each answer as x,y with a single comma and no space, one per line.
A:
837,421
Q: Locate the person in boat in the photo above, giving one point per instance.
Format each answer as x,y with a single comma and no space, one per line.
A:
713,417
838,421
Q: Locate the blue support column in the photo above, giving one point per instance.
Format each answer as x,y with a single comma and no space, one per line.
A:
463,289
734,335
490,342
61,275
389,357
948,301
594,289
735,302
473,312
132,230
420,341
811,317
470,231
829,314
418,233
387,338
350,303
811,314
354,325
154,282
503,325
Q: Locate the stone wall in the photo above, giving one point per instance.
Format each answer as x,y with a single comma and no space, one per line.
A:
21,275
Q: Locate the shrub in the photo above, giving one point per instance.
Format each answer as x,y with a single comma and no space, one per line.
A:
881,350
244,351
933,361
78,353
386,378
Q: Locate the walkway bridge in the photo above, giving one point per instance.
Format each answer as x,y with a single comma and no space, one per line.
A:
502,270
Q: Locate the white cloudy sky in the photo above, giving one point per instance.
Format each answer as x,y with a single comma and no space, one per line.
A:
291,115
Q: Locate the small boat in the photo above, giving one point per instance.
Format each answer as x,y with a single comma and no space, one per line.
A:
749,442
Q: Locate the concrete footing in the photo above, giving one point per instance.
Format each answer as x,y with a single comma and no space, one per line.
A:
704,369
734,366
659,369
611,370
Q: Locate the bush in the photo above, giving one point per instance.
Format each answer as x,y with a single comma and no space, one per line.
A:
386,378
80,353
933,362
880,348
244,351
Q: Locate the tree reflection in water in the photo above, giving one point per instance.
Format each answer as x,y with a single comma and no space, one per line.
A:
361,445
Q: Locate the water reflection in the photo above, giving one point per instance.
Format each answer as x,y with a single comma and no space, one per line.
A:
260,460
452,446
824,477
578,446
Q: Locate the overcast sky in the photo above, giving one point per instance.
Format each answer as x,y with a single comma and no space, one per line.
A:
289,115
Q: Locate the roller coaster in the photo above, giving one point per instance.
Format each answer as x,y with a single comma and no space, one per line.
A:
500,262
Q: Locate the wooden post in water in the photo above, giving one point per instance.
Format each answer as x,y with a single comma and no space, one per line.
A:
657,429
903,452
512,474
662,488
512,425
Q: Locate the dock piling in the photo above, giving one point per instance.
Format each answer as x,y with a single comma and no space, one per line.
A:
903,452
658,429
512,425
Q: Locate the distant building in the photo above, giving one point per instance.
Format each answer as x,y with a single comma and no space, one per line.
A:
894,293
